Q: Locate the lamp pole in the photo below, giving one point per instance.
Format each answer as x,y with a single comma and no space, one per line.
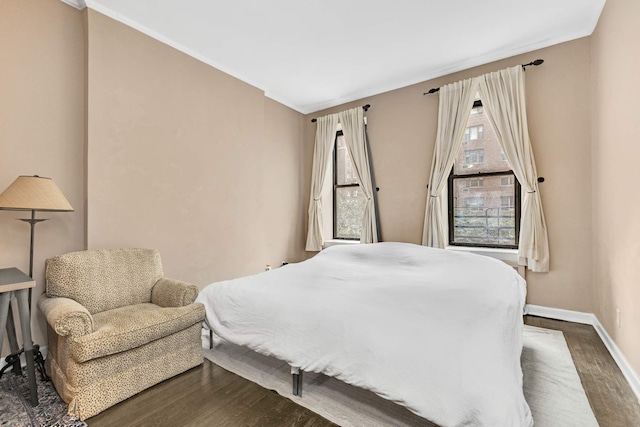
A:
30,193
37,356
33,221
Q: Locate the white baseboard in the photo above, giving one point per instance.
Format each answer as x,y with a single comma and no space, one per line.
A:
560,314
590,319
23,362
617,355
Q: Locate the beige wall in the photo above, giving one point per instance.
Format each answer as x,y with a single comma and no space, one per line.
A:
615,177
188,160
41,128
191,161
402,129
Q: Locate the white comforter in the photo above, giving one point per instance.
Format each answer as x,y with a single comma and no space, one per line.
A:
437,331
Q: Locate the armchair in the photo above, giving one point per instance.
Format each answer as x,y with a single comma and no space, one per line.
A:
116,326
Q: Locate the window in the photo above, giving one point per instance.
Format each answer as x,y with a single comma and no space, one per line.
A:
506,201
476,132
473,133
472,157
507,180
476,182
474,202
348,200
484,196
477,109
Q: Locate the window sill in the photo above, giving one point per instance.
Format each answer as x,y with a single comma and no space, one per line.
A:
336,242
510,256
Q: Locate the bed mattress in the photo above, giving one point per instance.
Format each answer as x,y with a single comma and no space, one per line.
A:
437,331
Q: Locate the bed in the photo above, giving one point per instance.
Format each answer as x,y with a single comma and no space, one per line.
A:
439,332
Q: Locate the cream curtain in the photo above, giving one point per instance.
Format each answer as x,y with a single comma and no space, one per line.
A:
325,137
353,128
456,101
503,98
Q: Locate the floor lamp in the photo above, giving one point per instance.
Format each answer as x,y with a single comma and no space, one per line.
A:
30,193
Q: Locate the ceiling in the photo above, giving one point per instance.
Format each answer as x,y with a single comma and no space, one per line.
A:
314,54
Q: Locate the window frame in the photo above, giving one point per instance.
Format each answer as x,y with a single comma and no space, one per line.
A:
336,186
517,190
517,206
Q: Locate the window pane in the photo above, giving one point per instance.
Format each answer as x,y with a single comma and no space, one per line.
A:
480,136
345,173
349,207
484,214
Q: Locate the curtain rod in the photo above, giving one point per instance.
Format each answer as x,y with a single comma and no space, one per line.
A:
524,67
364,107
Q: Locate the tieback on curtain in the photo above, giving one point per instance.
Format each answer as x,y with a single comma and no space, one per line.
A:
503,98
354,128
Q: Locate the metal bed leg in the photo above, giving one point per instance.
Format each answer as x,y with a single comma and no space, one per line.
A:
210,339
296,376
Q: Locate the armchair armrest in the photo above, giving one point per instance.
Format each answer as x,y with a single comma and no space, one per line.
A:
66,316
173,293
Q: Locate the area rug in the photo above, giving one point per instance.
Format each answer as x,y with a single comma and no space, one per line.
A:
551,386
16,409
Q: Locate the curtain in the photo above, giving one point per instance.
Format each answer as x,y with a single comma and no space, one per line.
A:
503,99
456,101
325,138
373,184
355,138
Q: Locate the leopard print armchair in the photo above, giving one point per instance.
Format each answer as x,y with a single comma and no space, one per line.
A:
116,326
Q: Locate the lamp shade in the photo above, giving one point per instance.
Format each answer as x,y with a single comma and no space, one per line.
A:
34,193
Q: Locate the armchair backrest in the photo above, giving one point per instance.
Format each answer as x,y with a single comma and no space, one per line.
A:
105,279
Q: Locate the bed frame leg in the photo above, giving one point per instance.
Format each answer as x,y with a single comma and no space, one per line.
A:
210,339
296,376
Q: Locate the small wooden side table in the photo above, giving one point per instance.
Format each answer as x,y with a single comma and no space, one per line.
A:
14,281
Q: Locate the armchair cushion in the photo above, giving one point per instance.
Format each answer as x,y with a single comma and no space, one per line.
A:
126,328
66,317
173,293
102,280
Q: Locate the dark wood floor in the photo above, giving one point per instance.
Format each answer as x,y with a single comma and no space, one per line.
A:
210,396
207,396
612,400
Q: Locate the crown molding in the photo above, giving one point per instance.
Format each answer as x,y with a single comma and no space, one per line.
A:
78,4
415,77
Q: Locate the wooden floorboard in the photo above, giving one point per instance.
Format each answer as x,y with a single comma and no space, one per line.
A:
211,396
610,396
207,396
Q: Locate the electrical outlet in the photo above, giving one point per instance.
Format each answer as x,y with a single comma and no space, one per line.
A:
618,317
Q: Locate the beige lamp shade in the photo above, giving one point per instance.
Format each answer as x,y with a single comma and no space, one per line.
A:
34,193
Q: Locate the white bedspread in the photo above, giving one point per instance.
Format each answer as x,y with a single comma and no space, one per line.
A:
437,331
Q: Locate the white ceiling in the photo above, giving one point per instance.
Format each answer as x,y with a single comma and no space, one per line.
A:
314,54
